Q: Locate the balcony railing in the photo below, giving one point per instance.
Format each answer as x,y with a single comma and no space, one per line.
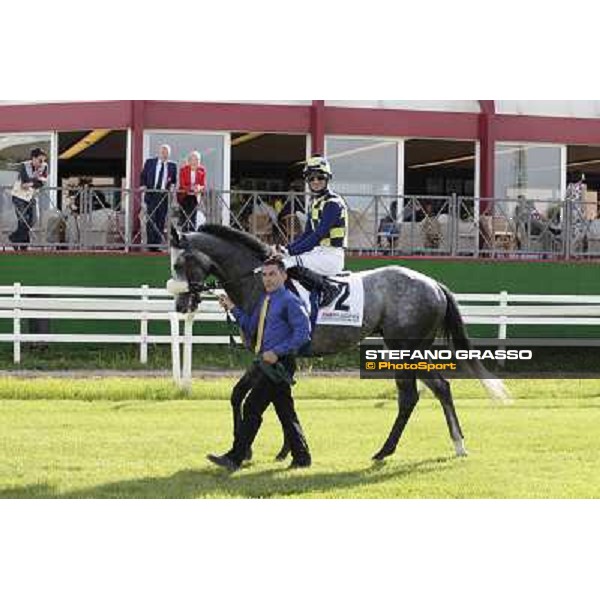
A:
90,219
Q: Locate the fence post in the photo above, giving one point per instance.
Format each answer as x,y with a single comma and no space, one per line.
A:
17,323
188,325
144,326
175,358
502,325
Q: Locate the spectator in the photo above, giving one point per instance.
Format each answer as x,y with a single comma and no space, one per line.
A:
86,199
159,176
432,231
192,184
289,224
33,175
413,211
294,202
389,230
527,217
249,204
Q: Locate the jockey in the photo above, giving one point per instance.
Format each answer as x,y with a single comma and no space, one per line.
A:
319,250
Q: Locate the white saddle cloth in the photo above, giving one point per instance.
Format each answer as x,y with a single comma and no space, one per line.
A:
347,307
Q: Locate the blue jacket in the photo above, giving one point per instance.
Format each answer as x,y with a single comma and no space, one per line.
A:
332,213
287,327
148,178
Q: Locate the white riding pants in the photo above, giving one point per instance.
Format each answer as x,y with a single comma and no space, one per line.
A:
325,260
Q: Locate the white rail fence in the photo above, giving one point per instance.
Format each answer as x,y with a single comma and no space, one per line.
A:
144,304
141,305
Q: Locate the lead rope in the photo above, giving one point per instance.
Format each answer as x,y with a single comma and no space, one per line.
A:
208,288
233,345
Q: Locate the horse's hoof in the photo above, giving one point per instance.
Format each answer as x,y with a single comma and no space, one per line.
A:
281,457
380,456
459,448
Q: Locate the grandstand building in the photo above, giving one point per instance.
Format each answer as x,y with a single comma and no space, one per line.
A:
471,149
480,148
462,152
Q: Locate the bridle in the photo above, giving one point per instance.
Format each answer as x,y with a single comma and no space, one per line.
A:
197,288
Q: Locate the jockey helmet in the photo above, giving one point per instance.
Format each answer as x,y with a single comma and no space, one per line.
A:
317,164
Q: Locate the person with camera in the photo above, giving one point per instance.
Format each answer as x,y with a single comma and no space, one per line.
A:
33,175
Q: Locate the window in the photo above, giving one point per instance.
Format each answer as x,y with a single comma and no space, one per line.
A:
363,169
531,171
15,149
364,166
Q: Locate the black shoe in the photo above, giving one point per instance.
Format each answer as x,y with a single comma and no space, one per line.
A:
223,461
281,455
300,464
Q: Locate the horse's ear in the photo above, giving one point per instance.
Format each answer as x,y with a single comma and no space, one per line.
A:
175,238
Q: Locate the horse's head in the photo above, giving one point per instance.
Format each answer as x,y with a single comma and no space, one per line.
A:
232,255
189,270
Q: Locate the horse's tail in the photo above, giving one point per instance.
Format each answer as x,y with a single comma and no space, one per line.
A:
454,330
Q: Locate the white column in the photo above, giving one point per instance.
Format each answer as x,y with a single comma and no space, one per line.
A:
476,194
53,163
175,356
226,184
188,325
400,178
563,172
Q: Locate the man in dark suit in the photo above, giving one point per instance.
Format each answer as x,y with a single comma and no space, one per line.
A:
159,177
280,328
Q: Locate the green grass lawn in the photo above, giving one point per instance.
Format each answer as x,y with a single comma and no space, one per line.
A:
139,438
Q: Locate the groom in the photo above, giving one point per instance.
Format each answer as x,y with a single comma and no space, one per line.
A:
280,327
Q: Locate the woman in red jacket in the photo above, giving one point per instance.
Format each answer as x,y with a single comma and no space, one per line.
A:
192,182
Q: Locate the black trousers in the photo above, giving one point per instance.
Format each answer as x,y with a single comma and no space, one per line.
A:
25,212
264,392
157,207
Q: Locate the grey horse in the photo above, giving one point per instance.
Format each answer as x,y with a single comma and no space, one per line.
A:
401,305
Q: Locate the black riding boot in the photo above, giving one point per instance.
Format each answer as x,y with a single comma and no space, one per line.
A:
313,281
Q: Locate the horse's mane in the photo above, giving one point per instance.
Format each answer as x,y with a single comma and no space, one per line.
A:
236,236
